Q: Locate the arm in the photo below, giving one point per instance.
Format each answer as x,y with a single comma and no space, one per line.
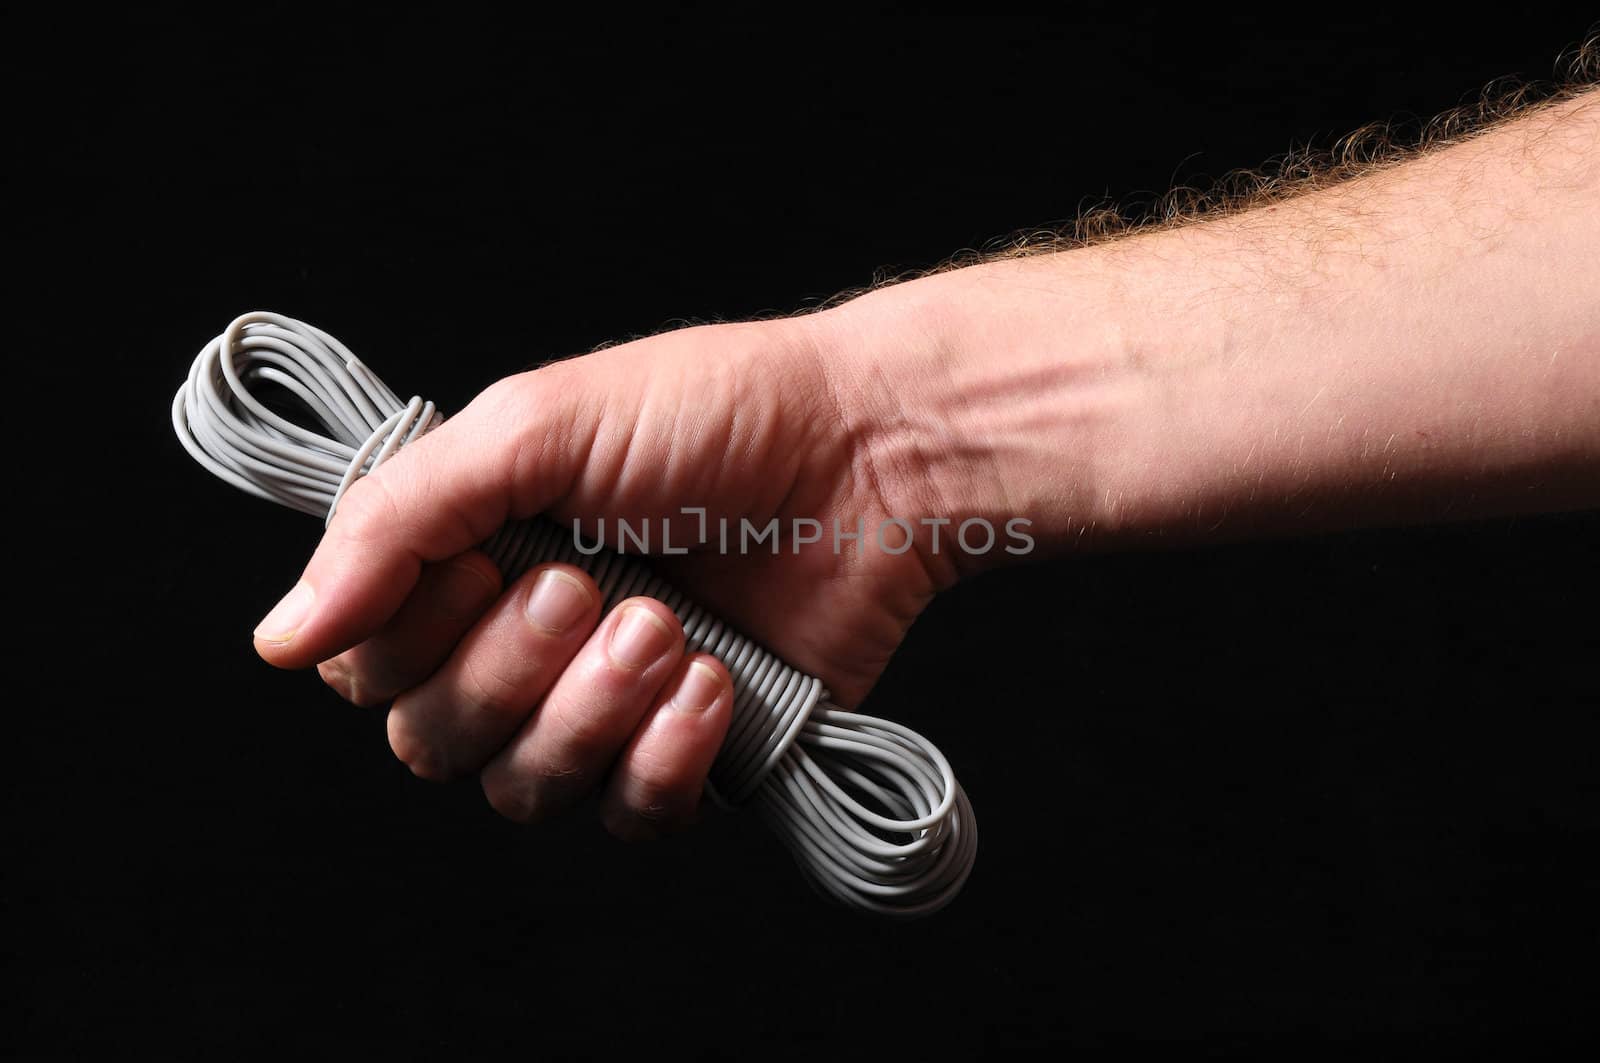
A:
1419,343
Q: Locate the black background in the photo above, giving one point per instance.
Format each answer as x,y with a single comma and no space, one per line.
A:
1303,792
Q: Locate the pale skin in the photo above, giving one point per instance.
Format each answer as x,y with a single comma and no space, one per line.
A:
1420,343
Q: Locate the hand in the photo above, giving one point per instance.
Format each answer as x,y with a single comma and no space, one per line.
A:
529,685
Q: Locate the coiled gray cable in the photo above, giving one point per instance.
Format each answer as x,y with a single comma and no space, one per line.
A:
870,809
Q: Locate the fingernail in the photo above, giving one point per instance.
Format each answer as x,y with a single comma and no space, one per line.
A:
467,588
640,638
557,601
700,688
287,616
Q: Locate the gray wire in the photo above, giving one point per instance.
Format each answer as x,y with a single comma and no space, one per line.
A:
870,809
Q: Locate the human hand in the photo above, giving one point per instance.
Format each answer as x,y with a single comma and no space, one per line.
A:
530,686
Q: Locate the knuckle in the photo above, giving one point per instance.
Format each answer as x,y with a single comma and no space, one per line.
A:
508,799
336,674
585,730
625,827
656,773
486,691
634,821
525,793
501,410
358,679
501,398
368,512
562,776
652,804
664,796
466,585
425,759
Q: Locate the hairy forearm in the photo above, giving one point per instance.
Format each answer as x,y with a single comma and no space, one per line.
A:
1422,342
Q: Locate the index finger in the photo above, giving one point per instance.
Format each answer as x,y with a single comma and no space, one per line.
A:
440,495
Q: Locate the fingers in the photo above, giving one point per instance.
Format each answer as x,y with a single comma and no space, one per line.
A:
657,782
441,495
462,714
589,714
446,601
621,695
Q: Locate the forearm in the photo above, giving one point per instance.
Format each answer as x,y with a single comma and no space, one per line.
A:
1419,343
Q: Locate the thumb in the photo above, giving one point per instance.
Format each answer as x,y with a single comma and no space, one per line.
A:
442,494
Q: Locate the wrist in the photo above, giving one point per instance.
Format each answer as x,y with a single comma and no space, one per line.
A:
1004,393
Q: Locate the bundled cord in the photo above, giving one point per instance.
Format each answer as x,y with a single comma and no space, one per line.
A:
870,809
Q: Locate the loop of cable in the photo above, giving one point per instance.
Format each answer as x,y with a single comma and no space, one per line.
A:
870,809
